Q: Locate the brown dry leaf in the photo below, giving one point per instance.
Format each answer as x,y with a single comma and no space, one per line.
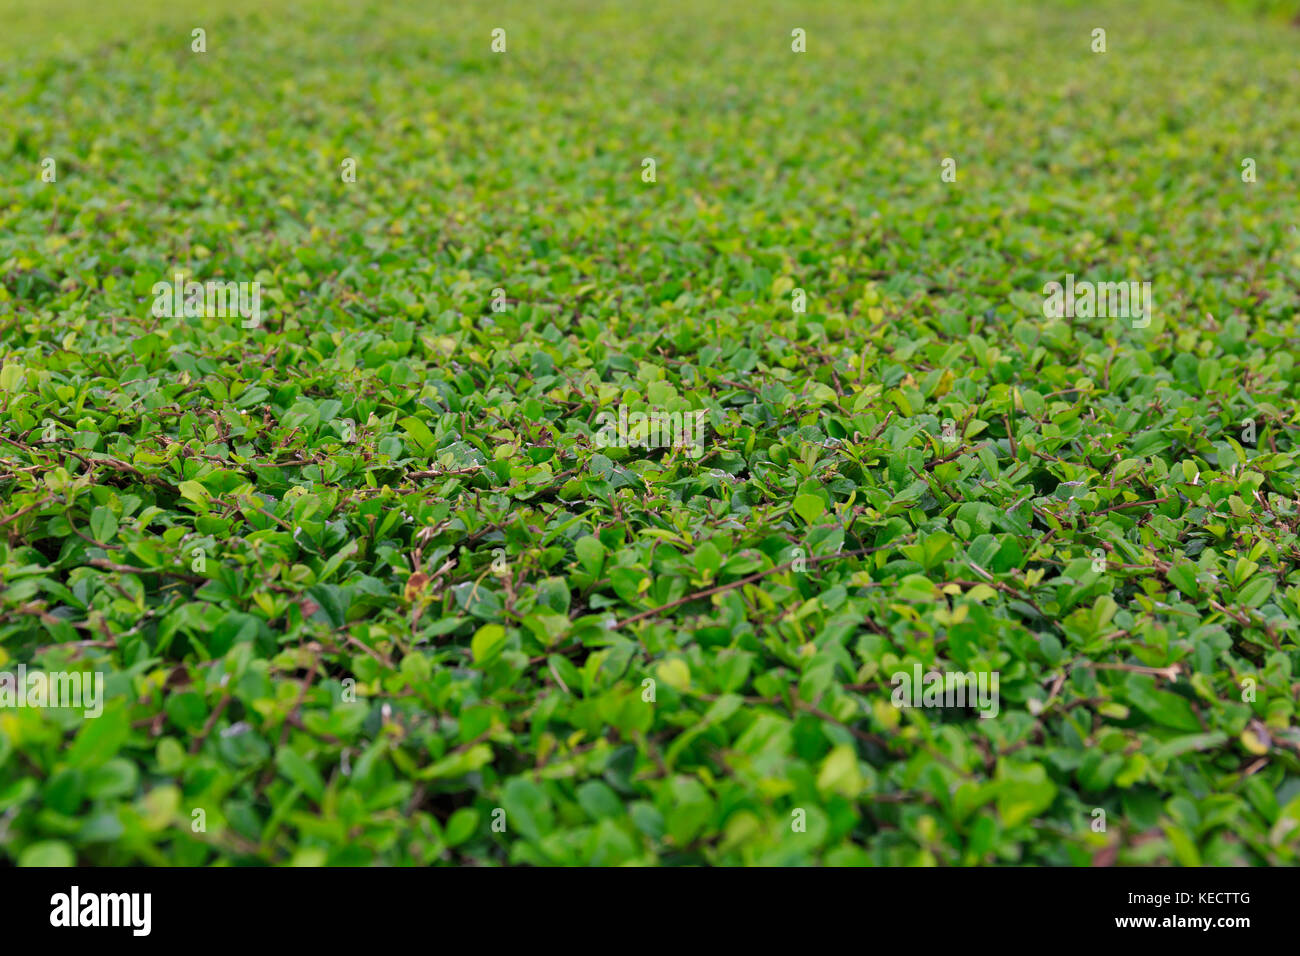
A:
415,586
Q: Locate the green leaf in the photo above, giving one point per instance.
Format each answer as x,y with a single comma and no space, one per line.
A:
840,773
48,853
419,433
298,769
528,809
1183,577
103,526
195,492
675,673
1164,707
591,553
708,558
99,738
463,824
809,507
1024,791
488,643
1255,591
1192,742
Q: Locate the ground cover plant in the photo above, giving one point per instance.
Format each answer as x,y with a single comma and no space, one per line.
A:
378,572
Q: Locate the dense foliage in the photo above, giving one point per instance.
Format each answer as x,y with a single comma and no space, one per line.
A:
369,578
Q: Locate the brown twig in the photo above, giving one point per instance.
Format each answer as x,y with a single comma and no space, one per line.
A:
708,592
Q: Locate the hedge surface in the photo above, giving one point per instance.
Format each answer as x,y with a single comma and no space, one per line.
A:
368,583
